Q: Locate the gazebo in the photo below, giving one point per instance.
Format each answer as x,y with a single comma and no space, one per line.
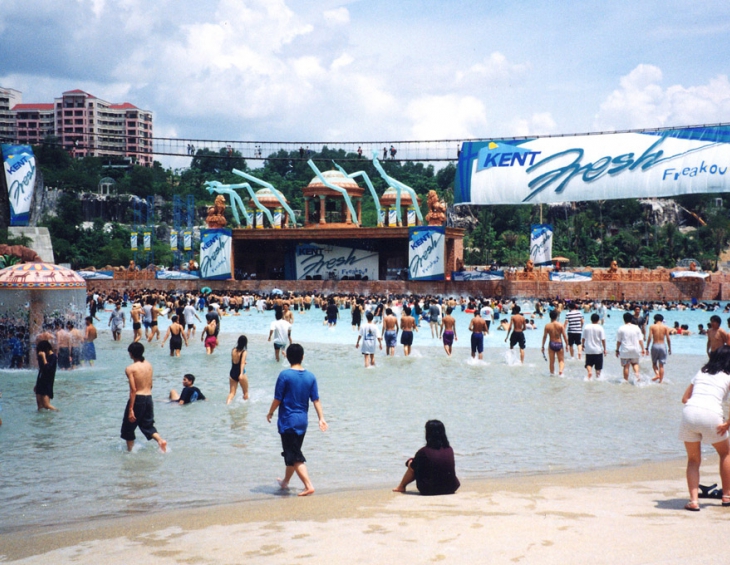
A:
388,202
267,199
324,207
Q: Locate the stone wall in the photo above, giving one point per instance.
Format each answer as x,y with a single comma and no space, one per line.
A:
716,287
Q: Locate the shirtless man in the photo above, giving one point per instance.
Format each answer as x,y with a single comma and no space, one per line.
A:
390,332
136,315
448,332
517,327
63,347
77,341
288,314
477,327
658,333
140,409
716,336
89,351
154,328
558,340
407,326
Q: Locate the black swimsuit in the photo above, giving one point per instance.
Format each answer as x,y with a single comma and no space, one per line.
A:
236,369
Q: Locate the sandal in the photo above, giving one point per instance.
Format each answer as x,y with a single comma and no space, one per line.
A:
694,506
726,500
706,492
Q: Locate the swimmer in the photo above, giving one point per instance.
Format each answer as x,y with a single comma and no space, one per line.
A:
558,340
208,336
478,328
140,411
136,315
117,322
280,330
390,332
237,374
407,326
47,363
517,326
368,334
189,392
594,345
448,332
658,333
176,333
716,336
154,328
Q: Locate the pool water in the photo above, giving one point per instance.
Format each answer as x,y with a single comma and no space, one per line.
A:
501,418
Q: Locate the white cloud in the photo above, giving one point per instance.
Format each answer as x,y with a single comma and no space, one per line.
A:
446,117
338,16
494,70
642,102
341,61
541,123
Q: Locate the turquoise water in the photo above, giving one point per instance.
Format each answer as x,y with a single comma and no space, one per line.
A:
501,418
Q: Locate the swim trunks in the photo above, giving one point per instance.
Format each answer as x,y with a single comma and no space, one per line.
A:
574,338
144,414
291,444
89,351
153,324
64,358
448,337
477,342
136,326
211,342
146,325
517,338
556,345
594,360
391,337
406,337
658,353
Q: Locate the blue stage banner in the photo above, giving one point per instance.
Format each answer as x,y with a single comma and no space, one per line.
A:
541,244
639,164
426,253
176,276
20,174
477,275
572,276
215,253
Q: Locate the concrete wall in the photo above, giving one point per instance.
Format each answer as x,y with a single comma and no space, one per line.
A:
716,287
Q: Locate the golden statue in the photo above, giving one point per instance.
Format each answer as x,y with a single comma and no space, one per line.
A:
437,210
613,268
215,218
529,266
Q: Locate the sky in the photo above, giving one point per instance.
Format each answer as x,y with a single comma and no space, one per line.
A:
296,70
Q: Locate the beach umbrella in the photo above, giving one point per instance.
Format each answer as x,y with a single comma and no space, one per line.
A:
561,260
206,290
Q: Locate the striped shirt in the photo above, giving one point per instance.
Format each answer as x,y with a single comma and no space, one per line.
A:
574,321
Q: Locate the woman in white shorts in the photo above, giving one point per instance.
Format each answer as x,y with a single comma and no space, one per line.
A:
703,421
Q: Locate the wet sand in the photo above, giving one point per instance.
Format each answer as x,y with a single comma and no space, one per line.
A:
626,515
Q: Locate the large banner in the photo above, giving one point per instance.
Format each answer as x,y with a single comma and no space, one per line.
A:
426,253
477,276
215,253
19,166
571,276
541,244
638,164
322,261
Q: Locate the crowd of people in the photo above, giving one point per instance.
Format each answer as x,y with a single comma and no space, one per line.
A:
378,321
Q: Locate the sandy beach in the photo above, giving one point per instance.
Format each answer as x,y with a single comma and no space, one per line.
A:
626,515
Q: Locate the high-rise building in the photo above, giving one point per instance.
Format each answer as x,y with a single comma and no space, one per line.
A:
87,125
8,99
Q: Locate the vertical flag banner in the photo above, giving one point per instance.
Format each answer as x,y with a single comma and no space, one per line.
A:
147,238
215,253
133,240
187,240
541,244
20,174
426,253
173,240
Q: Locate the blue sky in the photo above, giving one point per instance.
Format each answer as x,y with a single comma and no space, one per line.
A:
278,70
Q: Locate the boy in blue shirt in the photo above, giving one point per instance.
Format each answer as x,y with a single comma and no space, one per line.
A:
295,387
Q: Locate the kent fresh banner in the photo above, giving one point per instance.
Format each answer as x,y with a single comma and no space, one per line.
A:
426,253
564,276
477,275
314,259
640,164
20,173
541,244
215,253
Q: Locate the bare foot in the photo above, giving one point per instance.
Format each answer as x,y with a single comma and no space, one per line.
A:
307,492
283,484
245,396
163,445
399,489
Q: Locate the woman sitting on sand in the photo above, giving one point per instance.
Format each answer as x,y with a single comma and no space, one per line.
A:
703,420
433,465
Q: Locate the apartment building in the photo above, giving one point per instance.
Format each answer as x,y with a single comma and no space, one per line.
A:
87,125
8,98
